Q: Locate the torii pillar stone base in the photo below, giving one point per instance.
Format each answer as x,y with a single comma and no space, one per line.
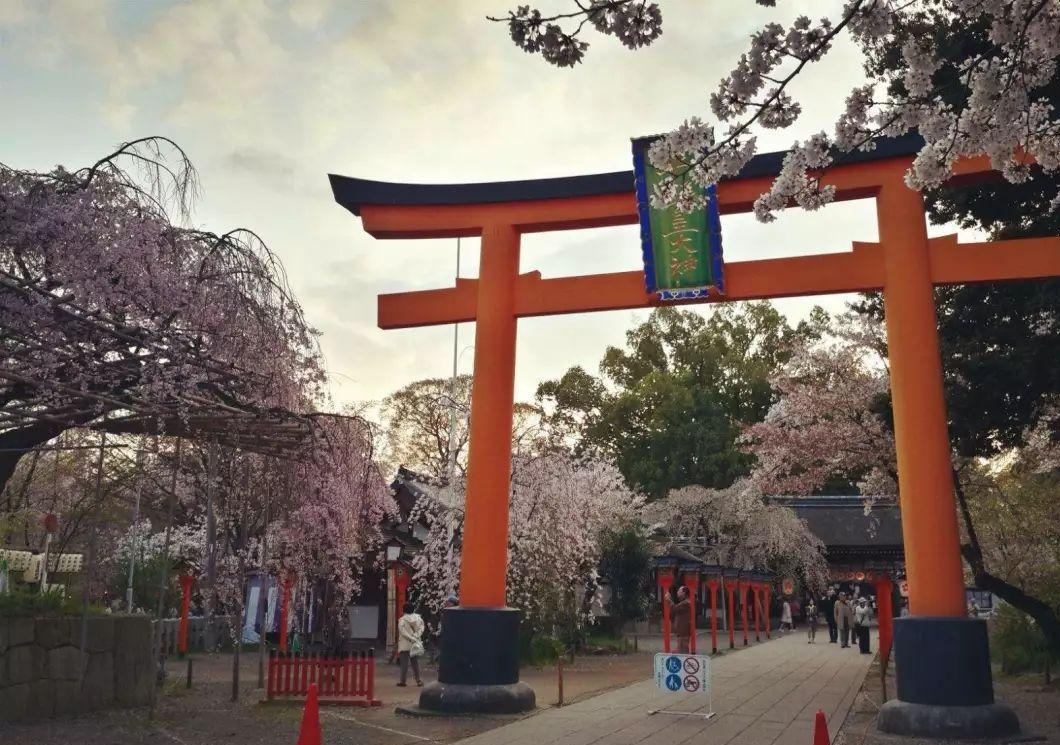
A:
479,668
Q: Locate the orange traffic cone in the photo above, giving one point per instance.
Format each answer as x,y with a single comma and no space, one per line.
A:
310,732
820,730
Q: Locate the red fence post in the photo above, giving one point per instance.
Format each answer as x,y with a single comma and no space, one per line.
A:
744,586
370,683
712,583
186,581
767,592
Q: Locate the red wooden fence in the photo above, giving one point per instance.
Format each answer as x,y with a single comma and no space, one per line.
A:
348,679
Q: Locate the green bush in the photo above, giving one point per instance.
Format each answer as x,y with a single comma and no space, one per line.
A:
602,642
25,602
1017,642
541,649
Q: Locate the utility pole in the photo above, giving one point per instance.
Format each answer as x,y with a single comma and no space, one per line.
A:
135,548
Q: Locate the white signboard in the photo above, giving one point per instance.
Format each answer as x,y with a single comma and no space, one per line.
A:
688,673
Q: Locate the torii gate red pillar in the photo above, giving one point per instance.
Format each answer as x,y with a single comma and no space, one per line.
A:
730,587
665,578
767,592
756,593
691,578
935,664
712,584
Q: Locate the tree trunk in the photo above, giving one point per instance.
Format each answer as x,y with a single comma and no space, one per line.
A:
1042,613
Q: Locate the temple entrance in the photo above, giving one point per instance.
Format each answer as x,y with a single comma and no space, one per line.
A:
941,655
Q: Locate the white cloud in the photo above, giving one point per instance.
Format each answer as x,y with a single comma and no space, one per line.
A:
268,98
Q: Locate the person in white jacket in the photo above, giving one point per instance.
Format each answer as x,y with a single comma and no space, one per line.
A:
410,643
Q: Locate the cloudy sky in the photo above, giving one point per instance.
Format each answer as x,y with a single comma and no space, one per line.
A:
268,97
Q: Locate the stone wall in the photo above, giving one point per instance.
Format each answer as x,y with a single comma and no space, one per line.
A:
41,661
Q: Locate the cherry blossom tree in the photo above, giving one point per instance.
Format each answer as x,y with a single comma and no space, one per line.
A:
559,506
115,316
832,422
990,100
827,423
738,527
110,308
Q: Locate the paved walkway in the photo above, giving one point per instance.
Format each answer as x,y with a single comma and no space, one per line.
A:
765,694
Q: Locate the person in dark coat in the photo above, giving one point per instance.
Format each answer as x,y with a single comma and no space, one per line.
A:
682,620
844,619
827,607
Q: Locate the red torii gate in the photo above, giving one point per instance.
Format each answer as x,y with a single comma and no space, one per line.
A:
942,660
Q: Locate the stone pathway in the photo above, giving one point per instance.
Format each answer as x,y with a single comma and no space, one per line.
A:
766,694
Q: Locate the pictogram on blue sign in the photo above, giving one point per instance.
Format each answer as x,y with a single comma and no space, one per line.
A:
673,664
673,682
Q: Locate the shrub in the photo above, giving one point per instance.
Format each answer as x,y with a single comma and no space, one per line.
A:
25,602
542,649
1018,644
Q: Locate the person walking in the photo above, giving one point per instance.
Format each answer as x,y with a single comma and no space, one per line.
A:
410,643
844,619
785,617
682,620
811,621
862,616
828,609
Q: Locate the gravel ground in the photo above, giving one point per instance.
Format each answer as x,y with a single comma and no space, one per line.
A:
204,715
1037,705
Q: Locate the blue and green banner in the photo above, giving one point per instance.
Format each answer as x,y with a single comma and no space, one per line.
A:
682,251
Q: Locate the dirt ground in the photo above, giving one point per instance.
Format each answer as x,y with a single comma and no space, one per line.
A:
204,715
1037,705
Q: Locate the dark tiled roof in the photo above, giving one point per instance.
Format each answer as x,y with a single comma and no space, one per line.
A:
842,521
353,193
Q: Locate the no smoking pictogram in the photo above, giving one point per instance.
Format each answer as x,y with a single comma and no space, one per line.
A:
691,684
691,666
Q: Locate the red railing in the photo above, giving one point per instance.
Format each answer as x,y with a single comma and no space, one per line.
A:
348,679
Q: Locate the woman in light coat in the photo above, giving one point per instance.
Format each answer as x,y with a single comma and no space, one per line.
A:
410,643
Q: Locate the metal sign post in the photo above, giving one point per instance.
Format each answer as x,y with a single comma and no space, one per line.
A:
688,673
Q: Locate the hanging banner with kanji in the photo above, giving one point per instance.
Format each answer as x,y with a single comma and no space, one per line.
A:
682,251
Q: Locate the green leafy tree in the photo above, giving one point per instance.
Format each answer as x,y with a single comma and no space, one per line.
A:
625,565
670,406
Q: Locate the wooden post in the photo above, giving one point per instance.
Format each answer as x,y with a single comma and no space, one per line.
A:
263,593
559,676
744,587
90,568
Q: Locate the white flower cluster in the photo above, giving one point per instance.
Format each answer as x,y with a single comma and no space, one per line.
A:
533,34
992,102
794,182
635,24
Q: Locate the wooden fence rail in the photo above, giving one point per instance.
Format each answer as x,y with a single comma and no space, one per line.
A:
200,634
349,679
